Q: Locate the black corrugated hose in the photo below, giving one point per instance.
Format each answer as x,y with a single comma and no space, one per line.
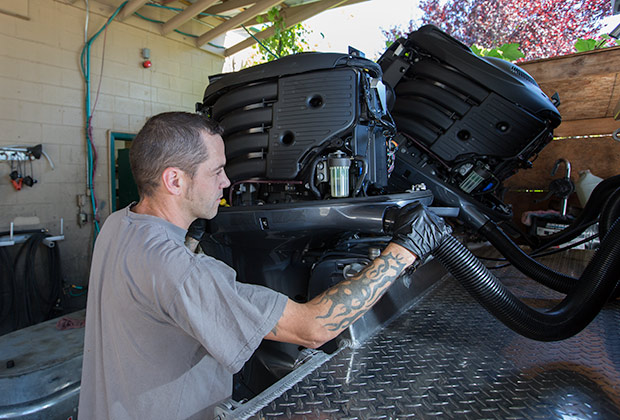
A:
35,298
592,209
566,319
539,272
610,213
7,279
526,264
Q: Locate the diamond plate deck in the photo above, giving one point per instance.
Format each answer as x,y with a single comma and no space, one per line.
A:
448,358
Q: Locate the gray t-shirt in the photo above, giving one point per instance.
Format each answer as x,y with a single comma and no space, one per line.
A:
165,328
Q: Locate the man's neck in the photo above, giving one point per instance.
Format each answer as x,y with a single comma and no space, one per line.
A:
164,209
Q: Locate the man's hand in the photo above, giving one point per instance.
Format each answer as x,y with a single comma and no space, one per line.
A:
419,230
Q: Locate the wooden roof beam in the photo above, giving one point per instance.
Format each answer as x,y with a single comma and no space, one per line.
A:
185,15
258,8
229,5
291,16
131,7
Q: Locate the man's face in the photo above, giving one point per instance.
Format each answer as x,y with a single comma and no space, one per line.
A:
205,189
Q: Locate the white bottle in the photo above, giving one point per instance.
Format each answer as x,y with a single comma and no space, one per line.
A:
585,184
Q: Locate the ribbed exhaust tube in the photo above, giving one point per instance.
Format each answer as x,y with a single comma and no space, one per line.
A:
566,319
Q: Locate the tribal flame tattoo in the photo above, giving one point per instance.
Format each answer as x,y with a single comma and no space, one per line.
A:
353,297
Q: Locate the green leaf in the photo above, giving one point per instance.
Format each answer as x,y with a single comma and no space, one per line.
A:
494,53
511,51
477,50
585,44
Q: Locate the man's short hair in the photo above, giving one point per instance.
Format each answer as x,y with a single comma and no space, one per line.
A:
170,139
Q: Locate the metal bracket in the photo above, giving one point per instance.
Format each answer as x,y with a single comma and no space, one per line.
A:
15,153
24,153
11,240
49,241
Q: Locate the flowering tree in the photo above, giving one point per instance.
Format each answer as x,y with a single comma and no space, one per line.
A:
542,28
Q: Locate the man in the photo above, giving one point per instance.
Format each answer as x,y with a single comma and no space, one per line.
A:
167,328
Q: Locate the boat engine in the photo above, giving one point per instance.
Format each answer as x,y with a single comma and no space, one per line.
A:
320,145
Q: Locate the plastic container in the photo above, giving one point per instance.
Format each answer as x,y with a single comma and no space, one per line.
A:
585,184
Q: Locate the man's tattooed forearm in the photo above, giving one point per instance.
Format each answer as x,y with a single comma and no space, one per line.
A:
350,299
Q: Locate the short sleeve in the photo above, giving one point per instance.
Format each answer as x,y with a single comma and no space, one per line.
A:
228,318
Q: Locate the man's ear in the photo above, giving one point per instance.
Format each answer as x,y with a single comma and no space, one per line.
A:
173,180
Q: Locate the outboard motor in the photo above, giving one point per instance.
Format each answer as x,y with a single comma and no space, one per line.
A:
467,123
305,127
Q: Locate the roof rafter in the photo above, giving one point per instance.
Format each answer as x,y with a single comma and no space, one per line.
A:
245,16
131,7
186,15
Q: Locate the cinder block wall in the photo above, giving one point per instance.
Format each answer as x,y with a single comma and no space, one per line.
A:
42,101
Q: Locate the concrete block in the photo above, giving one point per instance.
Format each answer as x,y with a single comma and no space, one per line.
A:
12,89
45,54
8,25
43,31
158,108
198,88
120,88
184,58
103,119
9,67
40,113
71,79
71,155
189,101
62,173
121,122
60,95
136,122
60,134
169,67
169,97
20,48
9,109
35,72
122,71
160,80
181,85
73,21
18,132
201,61
141,92
128,106
9,212
148,109
71,41
73,116
105,103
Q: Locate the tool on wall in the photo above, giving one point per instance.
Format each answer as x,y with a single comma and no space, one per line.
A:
17,156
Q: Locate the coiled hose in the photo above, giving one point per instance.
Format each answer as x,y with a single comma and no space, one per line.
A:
566,319
610,213
539,272
7,279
